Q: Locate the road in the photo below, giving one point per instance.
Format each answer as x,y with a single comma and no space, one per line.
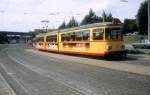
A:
30,74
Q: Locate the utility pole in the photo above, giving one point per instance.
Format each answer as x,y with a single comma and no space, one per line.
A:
45,22
2,18
149,21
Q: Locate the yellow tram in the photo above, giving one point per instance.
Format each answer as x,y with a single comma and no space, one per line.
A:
99,39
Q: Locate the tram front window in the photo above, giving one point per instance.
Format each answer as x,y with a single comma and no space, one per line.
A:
113,34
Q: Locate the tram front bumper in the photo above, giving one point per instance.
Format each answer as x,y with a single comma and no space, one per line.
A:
114,53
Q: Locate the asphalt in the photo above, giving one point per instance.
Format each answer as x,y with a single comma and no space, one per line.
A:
139,64
30,73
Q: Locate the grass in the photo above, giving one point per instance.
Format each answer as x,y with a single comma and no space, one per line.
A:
134,38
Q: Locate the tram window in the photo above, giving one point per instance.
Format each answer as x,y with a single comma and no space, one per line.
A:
116,33
75,36
113,34
98,34
40,39
86,35
52,38
65,37
62,37
72,36
79,36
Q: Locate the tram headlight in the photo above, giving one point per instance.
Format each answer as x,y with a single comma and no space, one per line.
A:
109,47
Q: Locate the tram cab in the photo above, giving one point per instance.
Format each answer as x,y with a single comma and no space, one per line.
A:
40,42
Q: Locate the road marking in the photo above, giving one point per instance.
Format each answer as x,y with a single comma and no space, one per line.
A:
10,74
79,89
11,91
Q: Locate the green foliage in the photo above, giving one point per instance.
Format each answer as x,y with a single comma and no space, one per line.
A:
90,18
116,20
134,38
107,17
72,23
129,26
141,46
62,26
142,18
93,18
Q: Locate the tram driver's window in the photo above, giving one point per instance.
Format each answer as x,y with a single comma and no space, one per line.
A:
108,34
98,34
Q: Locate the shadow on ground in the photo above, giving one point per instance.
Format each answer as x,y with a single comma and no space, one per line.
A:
110,58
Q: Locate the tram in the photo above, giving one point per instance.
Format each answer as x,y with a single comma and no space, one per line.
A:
98,39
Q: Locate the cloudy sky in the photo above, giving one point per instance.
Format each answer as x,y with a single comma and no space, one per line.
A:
26,15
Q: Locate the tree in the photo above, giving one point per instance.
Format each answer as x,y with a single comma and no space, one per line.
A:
142,18
129,26
104,16
107,17
100,19
90,18
62,26
116,21
72,23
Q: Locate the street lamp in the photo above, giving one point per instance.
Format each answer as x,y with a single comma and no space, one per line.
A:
45,22
149,21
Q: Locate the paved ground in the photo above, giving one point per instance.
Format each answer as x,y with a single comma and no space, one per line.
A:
31,74
5,89
135,63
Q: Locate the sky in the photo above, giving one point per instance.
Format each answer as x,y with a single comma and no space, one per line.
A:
26,15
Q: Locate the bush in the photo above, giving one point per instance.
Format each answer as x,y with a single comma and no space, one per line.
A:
134,52
141,46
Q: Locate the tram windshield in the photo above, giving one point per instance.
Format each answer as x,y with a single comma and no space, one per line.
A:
113,34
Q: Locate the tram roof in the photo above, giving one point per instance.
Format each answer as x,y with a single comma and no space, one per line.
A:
88,26
52,33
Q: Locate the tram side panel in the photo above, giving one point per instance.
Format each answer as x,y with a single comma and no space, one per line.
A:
52,43
74,47
40,45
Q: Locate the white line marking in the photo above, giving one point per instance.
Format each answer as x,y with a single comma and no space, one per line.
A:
82,90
